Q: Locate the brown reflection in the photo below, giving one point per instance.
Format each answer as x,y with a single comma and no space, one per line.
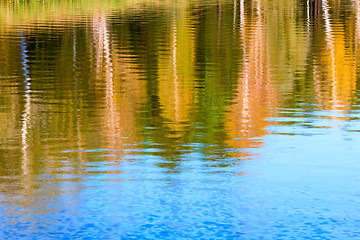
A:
246,121
120,88
10,107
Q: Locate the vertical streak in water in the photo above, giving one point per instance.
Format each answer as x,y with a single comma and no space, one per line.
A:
308,21
308,16
174,63
109,74
107,51
245,78
104,54
74,63
26,114
312,10
357,24
218,28
242,24
234,17
329,38
79,138
266,69
316,72
258,37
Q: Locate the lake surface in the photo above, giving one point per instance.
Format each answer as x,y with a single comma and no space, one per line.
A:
180,119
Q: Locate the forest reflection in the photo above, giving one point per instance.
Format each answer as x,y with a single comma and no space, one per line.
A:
172,78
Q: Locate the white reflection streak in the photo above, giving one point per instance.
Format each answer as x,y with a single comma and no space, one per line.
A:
330,44
74,54
357,23
104,50
109,75
308,19
257,37
174,63
26,114
242,24
245,79
109,66
234,17
308,24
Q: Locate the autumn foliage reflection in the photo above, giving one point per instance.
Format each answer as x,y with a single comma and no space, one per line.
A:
255,96
182,77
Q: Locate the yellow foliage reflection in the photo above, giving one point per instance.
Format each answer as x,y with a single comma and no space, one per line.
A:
335,64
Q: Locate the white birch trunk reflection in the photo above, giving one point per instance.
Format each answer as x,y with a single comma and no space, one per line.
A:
329,39
174,64
104,55
26,116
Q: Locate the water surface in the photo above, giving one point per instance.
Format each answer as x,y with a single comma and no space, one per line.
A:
179,119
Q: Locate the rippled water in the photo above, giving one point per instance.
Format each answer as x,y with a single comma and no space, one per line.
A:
179,119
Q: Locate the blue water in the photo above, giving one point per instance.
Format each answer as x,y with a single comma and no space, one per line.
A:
303,187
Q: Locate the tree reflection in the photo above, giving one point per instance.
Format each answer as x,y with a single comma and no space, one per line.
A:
255,94
178,77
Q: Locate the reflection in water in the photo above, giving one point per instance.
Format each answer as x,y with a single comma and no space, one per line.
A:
27,111
173,59
133,120
334,74
255,93
101,39
357,23
329,39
